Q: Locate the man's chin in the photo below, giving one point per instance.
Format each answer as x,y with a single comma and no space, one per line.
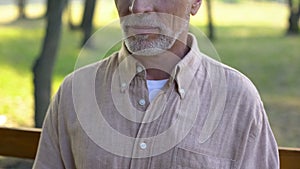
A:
145,46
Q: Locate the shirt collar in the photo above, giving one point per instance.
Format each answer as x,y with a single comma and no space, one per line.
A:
183,73
128,67
186,69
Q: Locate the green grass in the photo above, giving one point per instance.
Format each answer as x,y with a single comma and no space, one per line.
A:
250,38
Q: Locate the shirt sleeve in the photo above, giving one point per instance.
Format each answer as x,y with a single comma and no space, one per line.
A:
48,154
261,150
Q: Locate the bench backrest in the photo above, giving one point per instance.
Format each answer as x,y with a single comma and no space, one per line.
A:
23,143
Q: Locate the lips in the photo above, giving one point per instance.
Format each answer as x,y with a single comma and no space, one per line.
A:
140,30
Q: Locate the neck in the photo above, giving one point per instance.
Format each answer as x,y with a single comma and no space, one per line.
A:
160,66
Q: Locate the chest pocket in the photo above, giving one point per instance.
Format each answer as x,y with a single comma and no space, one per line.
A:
188,159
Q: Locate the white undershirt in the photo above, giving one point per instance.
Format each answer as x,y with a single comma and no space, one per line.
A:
154,86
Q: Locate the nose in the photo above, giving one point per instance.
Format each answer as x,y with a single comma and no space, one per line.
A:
141,6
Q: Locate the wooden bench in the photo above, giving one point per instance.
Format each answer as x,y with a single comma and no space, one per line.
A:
289,158
23,143
19,142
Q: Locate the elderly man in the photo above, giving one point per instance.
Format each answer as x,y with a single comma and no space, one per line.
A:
158,103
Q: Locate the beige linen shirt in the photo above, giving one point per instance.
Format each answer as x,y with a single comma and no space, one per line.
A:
207,116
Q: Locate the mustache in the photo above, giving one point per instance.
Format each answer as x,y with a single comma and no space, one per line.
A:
142,20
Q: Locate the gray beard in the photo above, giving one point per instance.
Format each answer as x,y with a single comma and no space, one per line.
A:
141,45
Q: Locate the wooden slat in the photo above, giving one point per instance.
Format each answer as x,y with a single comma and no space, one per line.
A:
289,158
22,143
18,142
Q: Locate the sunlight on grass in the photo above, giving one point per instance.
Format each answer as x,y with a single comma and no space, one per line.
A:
35,10
8,13
16,102
74,12
3,120
251,14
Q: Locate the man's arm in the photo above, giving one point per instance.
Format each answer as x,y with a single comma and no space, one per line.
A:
261,150
48,154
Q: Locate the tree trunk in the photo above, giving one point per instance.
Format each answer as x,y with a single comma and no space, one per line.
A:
42,69
87,20
21,8
211,33
293,27
65,3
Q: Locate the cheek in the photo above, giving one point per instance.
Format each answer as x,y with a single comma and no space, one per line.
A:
173,7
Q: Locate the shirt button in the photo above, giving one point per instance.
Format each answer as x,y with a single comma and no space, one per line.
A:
143,146
142,102
139,69
123,85
181,91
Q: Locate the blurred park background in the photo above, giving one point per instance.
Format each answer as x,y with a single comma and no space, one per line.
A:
249,35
